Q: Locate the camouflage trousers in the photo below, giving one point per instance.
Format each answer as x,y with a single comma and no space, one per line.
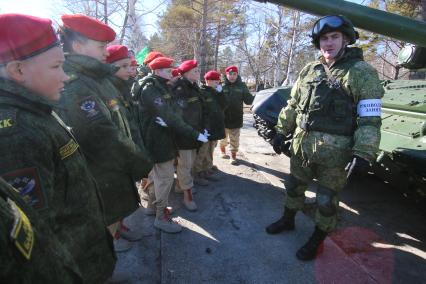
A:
204,159
234,139
329,180
185,163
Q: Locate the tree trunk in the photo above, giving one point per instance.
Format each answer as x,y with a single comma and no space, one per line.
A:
277,69
203,53
289,72
130,11
106,12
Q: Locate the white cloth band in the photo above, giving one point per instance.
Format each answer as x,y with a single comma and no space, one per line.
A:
372,107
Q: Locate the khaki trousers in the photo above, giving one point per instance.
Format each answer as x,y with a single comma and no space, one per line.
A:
204,159
186,160
234,139
163,176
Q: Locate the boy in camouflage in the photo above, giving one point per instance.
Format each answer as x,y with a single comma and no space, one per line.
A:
39,154
91,105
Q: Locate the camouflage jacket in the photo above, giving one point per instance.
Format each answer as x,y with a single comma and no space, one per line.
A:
129,108
155,100
360,81
215,103
236,93
41,158
29,251
187,97
90,105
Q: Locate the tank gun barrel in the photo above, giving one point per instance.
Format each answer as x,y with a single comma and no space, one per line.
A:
373,20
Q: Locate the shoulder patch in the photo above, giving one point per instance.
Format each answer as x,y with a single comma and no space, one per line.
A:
90,108
7,119
158,101
22,233
27,182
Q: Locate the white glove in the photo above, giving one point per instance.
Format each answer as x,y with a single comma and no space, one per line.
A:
206,133
219,88
202,138
160,121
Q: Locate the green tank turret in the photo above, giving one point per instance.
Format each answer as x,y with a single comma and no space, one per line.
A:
402,157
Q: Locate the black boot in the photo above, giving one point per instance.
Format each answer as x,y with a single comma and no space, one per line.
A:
310,249
286,223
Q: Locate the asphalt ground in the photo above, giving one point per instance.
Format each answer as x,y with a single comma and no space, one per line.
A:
380,238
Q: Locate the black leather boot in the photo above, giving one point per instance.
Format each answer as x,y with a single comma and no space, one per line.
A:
286,223
310,249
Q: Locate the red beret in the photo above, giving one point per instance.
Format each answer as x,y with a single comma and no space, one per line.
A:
88,27
175,72
160,63
133,62
187,65
23,36
212,75
117,52
151,56
231,69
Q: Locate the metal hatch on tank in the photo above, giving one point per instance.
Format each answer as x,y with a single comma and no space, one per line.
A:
402,157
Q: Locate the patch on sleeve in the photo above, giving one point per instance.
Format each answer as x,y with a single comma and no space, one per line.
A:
7,119
371,107
27,182
90,108
22,233
68,149
158,101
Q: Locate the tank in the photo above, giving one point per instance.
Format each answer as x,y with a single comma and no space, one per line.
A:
402,157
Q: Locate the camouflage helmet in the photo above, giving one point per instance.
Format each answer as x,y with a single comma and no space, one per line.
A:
333,23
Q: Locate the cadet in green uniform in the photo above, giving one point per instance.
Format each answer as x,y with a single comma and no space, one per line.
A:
39,155
236,92
29,251
90,105
334,116
215,103
159,124
190,103
119,57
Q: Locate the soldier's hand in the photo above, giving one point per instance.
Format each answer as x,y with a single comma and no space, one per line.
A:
277,142
206,133
358,166
285,148
160,121
219,88
202,138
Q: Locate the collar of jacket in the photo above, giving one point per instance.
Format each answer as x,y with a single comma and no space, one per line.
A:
121,85
88,66
187,83
350,53
14,94
158,78
238,81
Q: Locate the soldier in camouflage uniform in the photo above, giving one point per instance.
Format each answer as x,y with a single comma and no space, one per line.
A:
91,105
160,123
236,93
29,251
40,156
334,116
